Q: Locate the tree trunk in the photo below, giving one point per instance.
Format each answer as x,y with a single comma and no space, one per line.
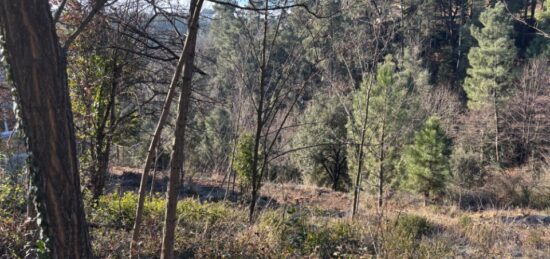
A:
177,158
38,68
152,151
256,179
426,198
360,158
533,9
381,175
104,136
497,130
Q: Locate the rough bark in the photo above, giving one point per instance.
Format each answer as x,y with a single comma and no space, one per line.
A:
177,158
38,69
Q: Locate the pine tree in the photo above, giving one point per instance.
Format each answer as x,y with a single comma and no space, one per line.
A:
491,62
321,144
426,161
387,119
540,45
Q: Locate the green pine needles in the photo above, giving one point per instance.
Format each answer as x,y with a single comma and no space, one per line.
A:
491,62
426,161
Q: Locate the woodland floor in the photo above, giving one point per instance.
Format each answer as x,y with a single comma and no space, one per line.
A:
490,232
299,221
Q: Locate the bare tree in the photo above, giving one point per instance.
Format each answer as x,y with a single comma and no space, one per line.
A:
177,157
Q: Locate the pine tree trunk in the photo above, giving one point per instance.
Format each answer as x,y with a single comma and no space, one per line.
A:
177,158
38,68
381,169
497,130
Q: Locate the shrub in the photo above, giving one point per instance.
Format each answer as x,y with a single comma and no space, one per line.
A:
243,161
301,234
12,199
403,236
412,226
120,210
467,169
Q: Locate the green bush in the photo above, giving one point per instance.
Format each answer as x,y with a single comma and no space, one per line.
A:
412,226
12,199
302,234
243,161
120,210
193,213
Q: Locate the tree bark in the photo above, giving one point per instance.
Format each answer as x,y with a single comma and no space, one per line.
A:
176,163
38,68
151,154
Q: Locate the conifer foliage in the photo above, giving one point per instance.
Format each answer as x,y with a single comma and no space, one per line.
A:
426,161
491,62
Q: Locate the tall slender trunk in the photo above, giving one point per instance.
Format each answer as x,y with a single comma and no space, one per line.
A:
38,68
256,179
360,157
177,158
104,137
381,171
523,26
155,140
497,130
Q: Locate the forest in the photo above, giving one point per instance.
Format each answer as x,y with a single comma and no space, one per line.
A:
275,129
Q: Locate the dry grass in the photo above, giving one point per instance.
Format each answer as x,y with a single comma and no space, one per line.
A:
309,222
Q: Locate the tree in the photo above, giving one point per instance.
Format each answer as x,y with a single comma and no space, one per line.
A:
212,152
491,63
323,139
37,65
177,157
540,45
388,120
426,161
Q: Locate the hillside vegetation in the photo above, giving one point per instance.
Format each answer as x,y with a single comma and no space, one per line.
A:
275,129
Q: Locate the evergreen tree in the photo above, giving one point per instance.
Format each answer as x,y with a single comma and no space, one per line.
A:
321,140
491,62
426,161
224,49
540,46
388,119
214,148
